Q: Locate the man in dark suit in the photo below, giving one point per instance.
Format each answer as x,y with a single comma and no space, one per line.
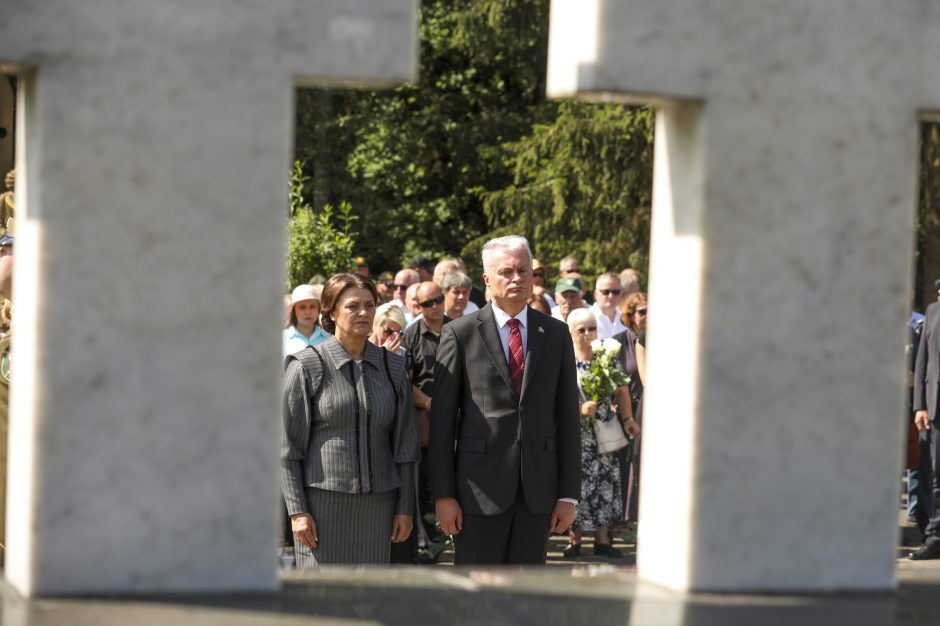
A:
505,441
926,388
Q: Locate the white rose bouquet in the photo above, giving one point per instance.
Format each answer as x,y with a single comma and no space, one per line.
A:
602,376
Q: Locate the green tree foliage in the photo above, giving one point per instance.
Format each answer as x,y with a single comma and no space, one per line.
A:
316,244
582,186
418,158
473,149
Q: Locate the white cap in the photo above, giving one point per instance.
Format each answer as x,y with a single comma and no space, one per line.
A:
304,292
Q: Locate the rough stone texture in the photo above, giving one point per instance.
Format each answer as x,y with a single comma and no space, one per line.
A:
150,263
781,255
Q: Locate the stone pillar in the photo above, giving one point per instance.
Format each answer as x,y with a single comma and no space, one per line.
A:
784,194
150,262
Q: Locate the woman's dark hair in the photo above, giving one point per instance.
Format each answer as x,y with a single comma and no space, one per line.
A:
334,288
628,308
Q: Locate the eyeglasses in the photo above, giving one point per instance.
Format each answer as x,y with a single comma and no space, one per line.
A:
588,329
611,292
401,287
389,331
427,304
641,311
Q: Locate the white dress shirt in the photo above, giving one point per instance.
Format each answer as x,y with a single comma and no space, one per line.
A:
605,326
502,324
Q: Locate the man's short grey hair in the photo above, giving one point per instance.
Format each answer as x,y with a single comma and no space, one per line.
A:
629,277
509,242
607,275
580,316
454,280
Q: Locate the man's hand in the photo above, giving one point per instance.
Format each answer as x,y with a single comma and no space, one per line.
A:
401,528
450,515
562,517
305,528
921,421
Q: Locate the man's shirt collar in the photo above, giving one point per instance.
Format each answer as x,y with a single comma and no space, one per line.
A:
502,317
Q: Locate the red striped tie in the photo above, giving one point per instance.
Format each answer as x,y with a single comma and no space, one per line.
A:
516,356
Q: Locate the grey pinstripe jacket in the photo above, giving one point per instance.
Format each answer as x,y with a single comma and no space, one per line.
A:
343,432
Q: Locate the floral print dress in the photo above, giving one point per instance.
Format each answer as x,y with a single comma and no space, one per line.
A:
601,503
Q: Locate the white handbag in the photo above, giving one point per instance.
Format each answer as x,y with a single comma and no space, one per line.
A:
610,436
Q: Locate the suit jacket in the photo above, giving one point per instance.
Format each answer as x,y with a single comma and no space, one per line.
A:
484,437
927,364
343,431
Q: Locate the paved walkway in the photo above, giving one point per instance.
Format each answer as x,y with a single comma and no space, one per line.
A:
590,591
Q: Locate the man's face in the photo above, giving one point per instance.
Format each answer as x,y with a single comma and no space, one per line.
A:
568,301
411,300
429,294
608,294
455,301
538,276
510,277
567,267
385,291
403,280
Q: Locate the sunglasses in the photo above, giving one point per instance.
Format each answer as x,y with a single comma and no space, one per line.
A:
610,292
588,329
401,287
641,311
427,304
389,331
537,274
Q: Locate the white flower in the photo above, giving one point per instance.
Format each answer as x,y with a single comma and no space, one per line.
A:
597,345
611,346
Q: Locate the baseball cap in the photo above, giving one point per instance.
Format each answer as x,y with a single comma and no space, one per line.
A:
567,284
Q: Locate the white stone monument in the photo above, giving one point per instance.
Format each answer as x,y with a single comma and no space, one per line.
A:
782,235
154,150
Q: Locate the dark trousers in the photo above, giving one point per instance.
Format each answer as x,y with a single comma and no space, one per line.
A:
286,540
933,479
515,537
918,486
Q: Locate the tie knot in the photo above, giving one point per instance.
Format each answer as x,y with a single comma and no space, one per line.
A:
513,323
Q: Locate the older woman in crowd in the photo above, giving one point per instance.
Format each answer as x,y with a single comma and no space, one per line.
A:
601,502
302,314
387,327
456,287
349,443
633,314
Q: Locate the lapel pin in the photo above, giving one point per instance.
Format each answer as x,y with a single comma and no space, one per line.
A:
541,330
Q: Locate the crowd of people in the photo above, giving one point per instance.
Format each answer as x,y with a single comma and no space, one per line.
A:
421,407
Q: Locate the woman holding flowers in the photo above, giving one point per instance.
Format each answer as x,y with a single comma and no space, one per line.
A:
604,397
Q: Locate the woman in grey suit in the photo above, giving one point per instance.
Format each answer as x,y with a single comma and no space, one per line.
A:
349,445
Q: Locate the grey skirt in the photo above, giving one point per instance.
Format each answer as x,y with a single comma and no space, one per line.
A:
352,528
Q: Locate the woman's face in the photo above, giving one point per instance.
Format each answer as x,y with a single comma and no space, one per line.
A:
384,329
354,312
455,301
306,312
639,318
583,333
